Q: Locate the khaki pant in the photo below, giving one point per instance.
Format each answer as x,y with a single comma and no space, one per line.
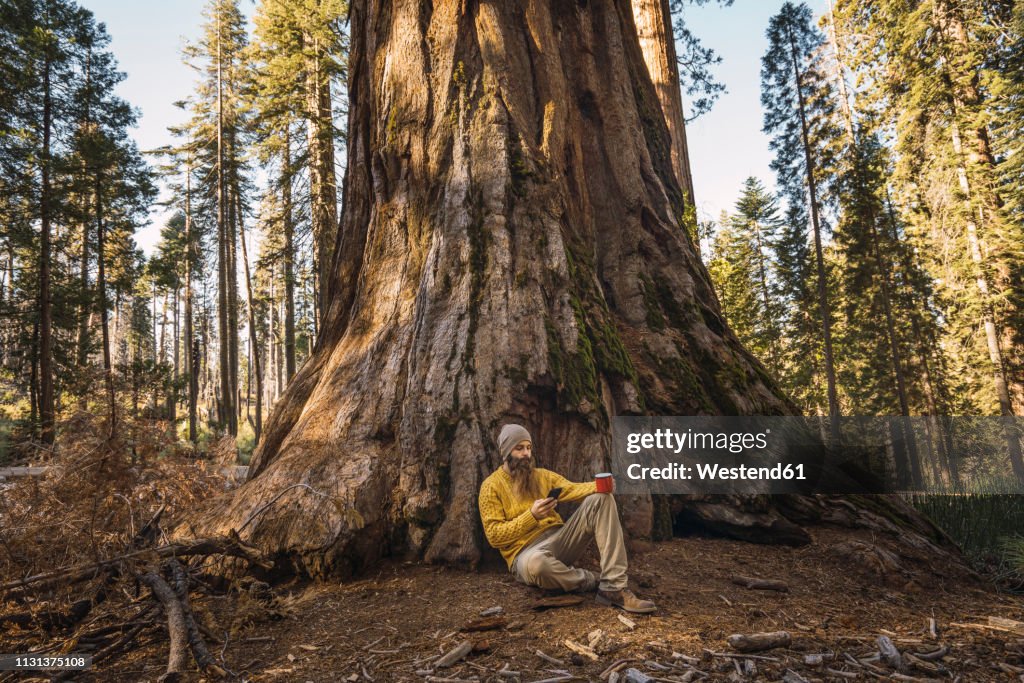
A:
547,561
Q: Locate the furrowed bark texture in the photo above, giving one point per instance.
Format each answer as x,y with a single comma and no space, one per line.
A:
658,44
509,251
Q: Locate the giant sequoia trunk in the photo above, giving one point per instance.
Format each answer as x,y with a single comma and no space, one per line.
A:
657,43
509,251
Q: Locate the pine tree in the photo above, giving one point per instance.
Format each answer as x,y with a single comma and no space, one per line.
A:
932,68
299,55
744,274
802,358
219,119
798,114
66,168
178,172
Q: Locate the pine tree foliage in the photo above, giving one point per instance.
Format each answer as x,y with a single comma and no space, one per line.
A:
745,273
799,115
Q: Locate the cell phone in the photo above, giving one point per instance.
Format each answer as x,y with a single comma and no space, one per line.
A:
555,492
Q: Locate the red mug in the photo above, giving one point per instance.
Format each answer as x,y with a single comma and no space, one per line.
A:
604,482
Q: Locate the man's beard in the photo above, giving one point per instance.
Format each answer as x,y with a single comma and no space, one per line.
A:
524,484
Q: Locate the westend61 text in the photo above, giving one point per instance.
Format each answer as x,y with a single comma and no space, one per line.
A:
711,471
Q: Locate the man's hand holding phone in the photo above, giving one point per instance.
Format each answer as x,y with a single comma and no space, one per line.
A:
543,507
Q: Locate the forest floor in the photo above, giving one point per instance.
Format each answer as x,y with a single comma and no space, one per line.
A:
393,624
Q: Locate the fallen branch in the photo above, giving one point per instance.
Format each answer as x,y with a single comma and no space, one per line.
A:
733,655
117,647
760,584
997,624
581,649
614,666
932,656
485,624
755,642
460,651
231,547
80,609
889,653
195,640
842,674
175,621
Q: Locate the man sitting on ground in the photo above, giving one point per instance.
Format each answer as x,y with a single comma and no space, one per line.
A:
521,522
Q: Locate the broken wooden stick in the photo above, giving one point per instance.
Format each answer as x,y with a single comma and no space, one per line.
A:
195,640
548,658
485,624
176,628
460,651
932,656
997,624
890,654
760,584
756,642
581,649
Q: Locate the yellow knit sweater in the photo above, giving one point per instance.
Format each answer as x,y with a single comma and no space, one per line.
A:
508,523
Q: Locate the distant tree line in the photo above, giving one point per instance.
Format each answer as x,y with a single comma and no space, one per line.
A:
87,320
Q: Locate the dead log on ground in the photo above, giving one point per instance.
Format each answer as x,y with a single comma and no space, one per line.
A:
176,660
756,642
195,640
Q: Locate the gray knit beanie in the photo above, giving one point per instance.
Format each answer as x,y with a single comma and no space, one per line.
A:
511,435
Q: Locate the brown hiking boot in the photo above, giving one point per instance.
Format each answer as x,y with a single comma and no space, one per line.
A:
624,599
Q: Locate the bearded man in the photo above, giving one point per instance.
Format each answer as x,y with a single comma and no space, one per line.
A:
519,519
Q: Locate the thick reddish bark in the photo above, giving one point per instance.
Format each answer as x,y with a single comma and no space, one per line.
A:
509,251
657,42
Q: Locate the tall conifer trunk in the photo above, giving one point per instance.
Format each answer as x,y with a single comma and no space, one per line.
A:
101,292
812,200
225,404
46,392
657,42
192,350
289,262
510,250
322,183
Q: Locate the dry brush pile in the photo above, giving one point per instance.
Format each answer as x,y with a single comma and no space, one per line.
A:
85,566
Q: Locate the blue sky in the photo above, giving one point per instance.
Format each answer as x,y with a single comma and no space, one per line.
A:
726,144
